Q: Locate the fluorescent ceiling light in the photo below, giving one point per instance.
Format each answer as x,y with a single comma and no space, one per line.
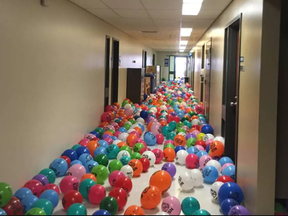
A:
183,42
181,50
186,32
191,7
182,47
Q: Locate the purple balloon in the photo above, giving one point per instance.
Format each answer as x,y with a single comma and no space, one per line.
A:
239,210
170,168
105,136
189,136
41,178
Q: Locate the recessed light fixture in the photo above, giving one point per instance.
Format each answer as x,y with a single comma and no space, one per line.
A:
186,32
191,7
183,42
181,50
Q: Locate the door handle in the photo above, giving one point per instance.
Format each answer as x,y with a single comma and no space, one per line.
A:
233,104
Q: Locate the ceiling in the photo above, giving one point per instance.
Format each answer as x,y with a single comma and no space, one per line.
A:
163,16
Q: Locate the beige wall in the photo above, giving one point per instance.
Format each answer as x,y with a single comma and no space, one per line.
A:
257,137
52,81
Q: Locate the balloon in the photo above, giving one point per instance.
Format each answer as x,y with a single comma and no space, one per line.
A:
191,142
225,179
41,178
71,198
201,153
160,139
45,205
171,205
169,154
59,166
90,165
170,168
125,183
150,139
101,212
35,186
227,204
2,212
215,164
71,154
134,210
216,149
28,202
192,161
178,148
204,160
50,195
101,173
150,156
13,207
192,150
207,129
201,212
69,183
51,187
75,162
186,181
226,165
150,197
22,193
127,171
77,209
159,155
102,159
181,157
112,151
114,165
120,195
230,190
36,211
238,210
225,160
197,176
96,194
229,171
50,174
145,163
123,153
162,180
85,186
85,158
179,140
137,167
110,204
215,190
114,176
100,150
210,174
190,205
77,171
136,155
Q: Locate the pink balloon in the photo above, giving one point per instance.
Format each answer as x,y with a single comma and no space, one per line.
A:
200,148
195,132
156,128
90,136
226,165
186,128
96,194
69,183
84,142
109,140
204,160
117,133
171,205
136,133
115,125
159,155
192,161
209,141
160,139
128,111
109,127
77,171
114,176
169,142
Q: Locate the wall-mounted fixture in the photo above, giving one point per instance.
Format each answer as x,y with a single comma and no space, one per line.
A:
44,3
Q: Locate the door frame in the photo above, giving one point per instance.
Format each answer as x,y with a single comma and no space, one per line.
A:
115,70
205,80
107,70
230,89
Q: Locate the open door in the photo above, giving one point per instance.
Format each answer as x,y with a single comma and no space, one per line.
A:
107,72
230,103
115,71
207,80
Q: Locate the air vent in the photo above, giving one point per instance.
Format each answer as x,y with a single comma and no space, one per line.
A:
149,32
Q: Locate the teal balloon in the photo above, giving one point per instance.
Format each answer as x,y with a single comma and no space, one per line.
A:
190,205
125,160
172,125
165,130
50,174
201,212
45,205
171,136
77,209
112,151
85,186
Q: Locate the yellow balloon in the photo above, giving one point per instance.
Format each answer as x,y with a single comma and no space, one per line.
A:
200,136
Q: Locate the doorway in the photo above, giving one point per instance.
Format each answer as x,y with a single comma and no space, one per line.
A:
115,70
207,81
192,62
107,71
230,102
144,59
180,66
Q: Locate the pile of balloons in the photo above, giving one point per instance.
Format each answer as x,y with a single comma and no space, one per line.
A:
171,123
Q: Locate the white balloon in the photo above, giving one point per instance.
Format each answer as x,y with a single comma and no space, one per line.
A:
128,171
116,141
207,137
215,164
219,138
215,189
127,106
195,122
133,126
123,137
150,156
153,109
182,133
130,130
181,157
163,107
198,177
141,120
186,181
123,153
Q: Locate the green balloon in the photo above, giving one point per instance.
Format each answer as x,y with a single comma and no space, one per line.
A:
112,131
179,130
5,194
191,142
85,186
126,148
77,209
166,130
50,174
169,145
138,147
109,204
99,130
36,211
192,113
200,115
180,125
171,136
136,155
45,205
172,125
75,147
101,173
201,212
115,165
102,159
127,125
125,102
132,121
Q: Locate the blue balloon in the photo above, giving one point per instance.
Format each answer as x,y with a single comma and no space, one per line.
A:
96,134
85,158
229,171
192,150
28,202
59,166
100,150
2,212
225,160
180,114
150,139
207,129
201,153
210,174
114,138
227,204
101,212
178,148
103,144
75,162
52,196
208,148
230,190
71,154
144,114
122,130
82,150
141,126
202,119
112,151
90,165
22,193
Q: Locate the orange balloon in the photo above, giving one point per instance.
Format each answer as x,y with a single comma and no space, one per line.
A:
151,197
169,154
216,149
194,117
170,111
192,129
121,144
108,132
103,124
136,166
92,145
180,140
89,176
134,210
149,126
131,139
162,180
138,129
116,104
163,123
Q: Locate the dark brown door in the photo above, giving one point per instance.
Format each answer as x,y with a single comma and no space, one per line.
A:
207,79
115,71
107,72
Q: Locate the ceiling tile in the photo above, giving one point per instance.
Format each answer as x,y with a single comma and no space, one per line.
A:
163,4
89,3
167,25
133,14
124,4
165,14
133,24
215,5
103,13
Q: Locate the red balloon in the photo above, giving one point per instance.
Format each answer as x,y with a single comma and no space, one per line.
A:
125,183
35,186
71,198
51,187
201,143
67,159
177,119
14,207
197,127
145,163
225,179
120,195
109,108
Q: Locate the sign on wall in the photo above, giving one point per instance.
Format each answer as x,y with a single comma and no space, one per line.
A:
166,62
